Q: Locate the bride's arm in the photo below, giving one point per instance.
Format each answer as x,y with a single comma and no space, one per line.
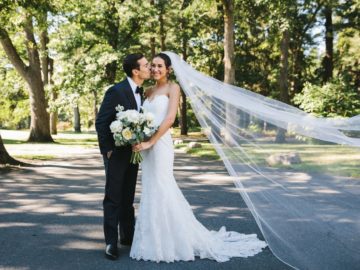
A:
174,97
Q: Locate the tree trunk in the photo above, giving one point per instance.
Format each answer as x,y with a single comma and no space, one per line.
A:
44,57
53,114
184,41
229,64
183,115
152,39
53,96
298,69
5,158
53,122
77,124
283,80
110,72
40,124
284,70
329,40
162,27
152,47
229,56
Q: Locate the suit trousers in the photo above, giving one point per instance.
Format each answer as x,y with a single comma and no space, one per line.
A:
119,214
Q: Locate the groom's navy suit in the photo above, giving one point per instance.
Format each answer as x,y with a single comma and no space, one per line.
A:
121,175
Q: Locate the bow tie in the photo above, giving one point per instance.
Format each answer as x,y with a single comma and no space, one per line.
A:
139,90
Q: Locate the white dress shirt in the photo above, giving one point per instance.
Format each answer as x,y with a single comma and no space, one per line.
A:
133,86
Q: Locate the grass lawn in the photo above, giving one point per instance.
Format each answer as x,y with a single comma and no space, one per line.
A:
35,157
62,138
206,151
16,142
192,134
333,159
330,158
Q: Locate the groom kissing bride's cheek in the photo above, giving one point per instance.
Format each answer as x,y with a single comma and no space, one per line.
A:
182,236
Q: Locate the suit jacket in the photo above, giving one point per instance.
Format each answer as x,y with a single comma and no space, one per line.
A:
122,94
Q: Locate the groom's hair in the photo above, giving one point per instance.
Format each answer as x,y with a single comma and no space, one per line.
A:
131,62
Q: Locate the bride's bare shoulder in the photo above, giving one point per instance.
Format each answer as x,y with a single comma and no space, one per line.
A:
174,87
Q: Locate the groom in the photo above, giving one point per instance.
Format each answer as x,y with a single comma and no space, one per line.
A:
120,174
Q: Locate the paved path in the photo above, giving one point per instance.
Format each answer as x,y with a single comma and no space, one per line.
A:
51,215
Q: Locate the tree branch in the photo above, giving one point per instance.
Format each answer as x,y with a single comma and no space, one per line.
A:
31,45
12,53
311,21
44,40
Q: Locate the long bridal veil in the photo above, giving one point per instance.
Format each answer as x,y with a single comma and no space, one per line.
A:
298,174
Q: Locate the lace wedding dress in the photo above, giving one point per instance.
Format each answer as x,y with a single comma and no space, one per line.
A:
166,228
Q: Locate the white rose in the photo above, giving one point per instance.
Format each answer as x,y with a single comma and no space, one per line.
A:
150,124
136,117
126,134
142,118
120,115
132,116
149,116
147,131
116,126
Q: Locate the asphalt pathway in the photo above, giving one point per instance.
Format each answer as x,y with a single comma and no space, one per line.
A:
51,215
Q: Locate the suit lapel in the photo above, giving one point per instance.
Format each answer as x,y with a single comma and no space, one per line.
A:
130,95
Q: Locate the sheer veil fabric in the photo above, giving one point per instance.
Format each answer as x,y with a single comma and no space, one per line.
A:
308,206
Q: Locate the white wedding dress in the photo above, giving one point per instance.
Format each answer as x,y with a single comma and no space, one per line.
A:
166,228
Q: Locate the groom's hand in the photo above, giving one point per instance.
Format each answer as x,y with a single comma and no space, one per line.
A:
108,154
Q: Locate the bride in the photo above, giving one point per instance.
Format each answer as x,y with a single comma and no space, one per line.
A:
166,228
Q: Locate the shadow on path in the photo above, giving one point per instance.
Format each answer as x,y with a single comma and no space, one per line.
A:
51,215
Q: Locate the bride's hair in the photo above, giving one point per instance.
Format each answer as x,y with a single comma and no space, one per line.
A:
166,59
167,62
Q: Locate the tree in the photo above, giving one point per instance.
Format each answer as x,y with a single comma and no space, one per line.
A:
184,51
92,43
329,40
304,18
5,158
229,57
280,16
53,97
31,72
335,98
14,98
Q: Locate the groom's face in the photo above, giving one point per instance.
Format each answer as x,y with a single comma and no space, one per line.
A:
144,69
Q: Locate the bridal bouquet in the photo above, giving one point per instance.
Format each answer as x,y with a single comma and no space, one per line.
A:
132,127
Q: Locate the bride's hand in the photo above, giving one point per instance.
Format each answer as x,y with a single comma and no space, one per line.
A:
141,146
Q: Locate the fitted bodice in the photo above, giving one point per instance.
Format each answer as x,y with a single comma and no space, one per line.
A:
158,106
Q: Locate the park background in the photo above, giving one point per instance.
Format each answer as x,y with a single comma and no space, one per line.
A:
58,57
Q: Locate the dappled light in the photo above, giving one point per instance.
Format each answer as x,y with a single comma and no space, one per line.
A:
58,206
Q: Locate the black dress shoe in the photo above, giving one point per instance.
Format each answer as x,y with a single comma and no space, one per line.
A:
111,252
126,242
